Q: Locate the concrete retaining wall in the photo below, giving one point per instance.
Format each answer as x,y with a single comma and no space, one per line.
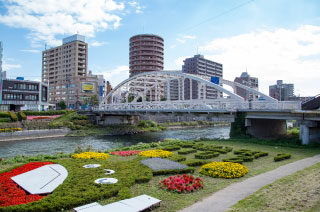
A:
31,134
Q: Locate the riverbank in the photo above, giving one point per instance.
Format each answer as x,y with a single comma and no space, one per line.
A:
33,134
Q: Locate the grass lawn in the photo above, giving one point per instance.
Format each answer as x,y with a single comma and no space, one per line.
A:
297,192
174,201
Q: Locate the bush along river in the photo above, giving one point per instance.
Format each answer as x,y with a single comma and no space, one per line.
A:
68,144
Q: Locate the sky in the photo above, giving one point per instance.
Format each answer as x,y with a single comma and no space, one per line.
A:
271,39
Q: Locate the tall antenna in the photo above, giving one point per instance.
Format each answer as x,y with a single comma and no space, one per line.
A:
45,46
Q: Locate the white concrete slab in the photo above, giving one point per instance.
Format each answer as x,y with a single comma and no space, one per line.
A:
93,207
135,204
109,171
118,207
90,166
140,203
106,181
42,180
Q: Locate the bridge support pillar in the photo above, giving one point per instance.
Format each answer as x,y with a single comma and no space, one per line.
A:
116,119
266,128
309,132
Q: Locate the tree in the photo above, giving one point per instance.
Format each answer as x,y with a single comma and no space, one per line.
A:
62,105
93,100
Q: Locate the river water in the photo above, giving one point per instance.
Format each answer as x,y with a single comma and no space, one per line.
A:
68,144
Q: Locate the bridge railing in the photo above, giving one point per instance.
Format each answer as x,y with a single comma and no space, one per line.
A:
226,104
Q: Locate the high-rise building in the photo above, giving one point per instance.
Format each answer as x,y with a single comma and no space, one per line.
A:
1,56
65,69
198,65
251,82
281,91
145,53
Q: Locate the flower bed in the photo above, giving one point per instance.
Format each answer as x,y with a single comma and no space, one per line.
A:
42,117
180,184
125,153
91,155
159,153
224,170
10,130
11,193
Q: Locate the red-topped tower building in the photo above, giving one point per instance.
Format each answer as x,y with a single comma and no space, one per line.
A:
145,53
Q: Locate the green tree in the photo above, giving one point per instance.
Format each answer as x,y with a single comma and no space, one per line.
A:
92,100
62,105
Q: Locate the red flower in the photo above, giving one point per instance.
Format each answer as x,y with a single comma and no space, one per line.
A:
184,183
126,153
11,193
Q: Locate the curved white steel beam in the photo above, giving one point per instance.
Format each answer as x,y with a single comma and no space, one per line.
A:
232,84
178,75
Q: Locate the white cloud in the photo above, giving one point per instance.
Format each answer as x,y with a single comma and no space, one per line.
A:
48,18
98,43
6,66
180,40
30,50
117,75
183,38
290,55
137,6
179,61
191,37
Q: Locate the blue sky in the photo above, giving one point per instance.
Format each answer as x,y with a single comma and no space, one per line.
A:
272,39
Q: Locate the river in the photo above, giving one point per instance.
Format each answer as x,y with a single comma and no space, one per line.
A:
68,144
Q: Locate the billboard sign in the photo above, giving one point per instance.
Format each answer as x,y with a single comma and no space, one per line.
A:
88,87
215,80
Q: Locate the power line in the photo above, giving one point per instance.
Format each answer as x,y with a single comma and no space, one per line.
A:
219,15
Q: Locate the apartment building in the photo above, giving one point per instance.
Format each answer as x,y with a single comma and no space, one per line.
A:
281,91
200,66
251,82
65,70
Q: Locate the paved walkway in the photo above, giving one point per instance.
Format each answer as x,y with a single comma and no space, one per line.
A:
227,197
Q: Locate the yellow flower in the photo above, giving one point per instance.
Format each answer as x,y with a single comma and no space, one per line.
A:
224,170
157,153
91,155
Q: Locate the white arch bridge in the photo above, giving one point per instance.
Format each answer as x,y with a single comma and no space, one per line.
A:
176,91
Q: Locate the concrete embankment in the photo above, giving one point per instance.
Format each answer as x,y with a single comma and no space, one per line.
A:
33,134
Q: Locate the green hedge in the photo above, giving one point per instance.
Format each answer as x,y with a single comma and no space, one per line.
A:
282,156
13,116
45,113
195,162
5,115
206,155
173,171
233,160
260,154
21,116
186,151
177,158
79,187
170,147
186,144
5,119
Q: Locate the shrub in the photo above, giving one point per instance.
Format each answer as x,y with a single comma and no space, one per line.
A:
5,115
5,119
180,184
147,123
260,154
156,153
79,117
195,162
91,155
124,193
282,156
242,151
206,155
13,116
173,171
186,144
224,170
177,158
79,188
171,147
233,160
21,116
48,113
186,151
